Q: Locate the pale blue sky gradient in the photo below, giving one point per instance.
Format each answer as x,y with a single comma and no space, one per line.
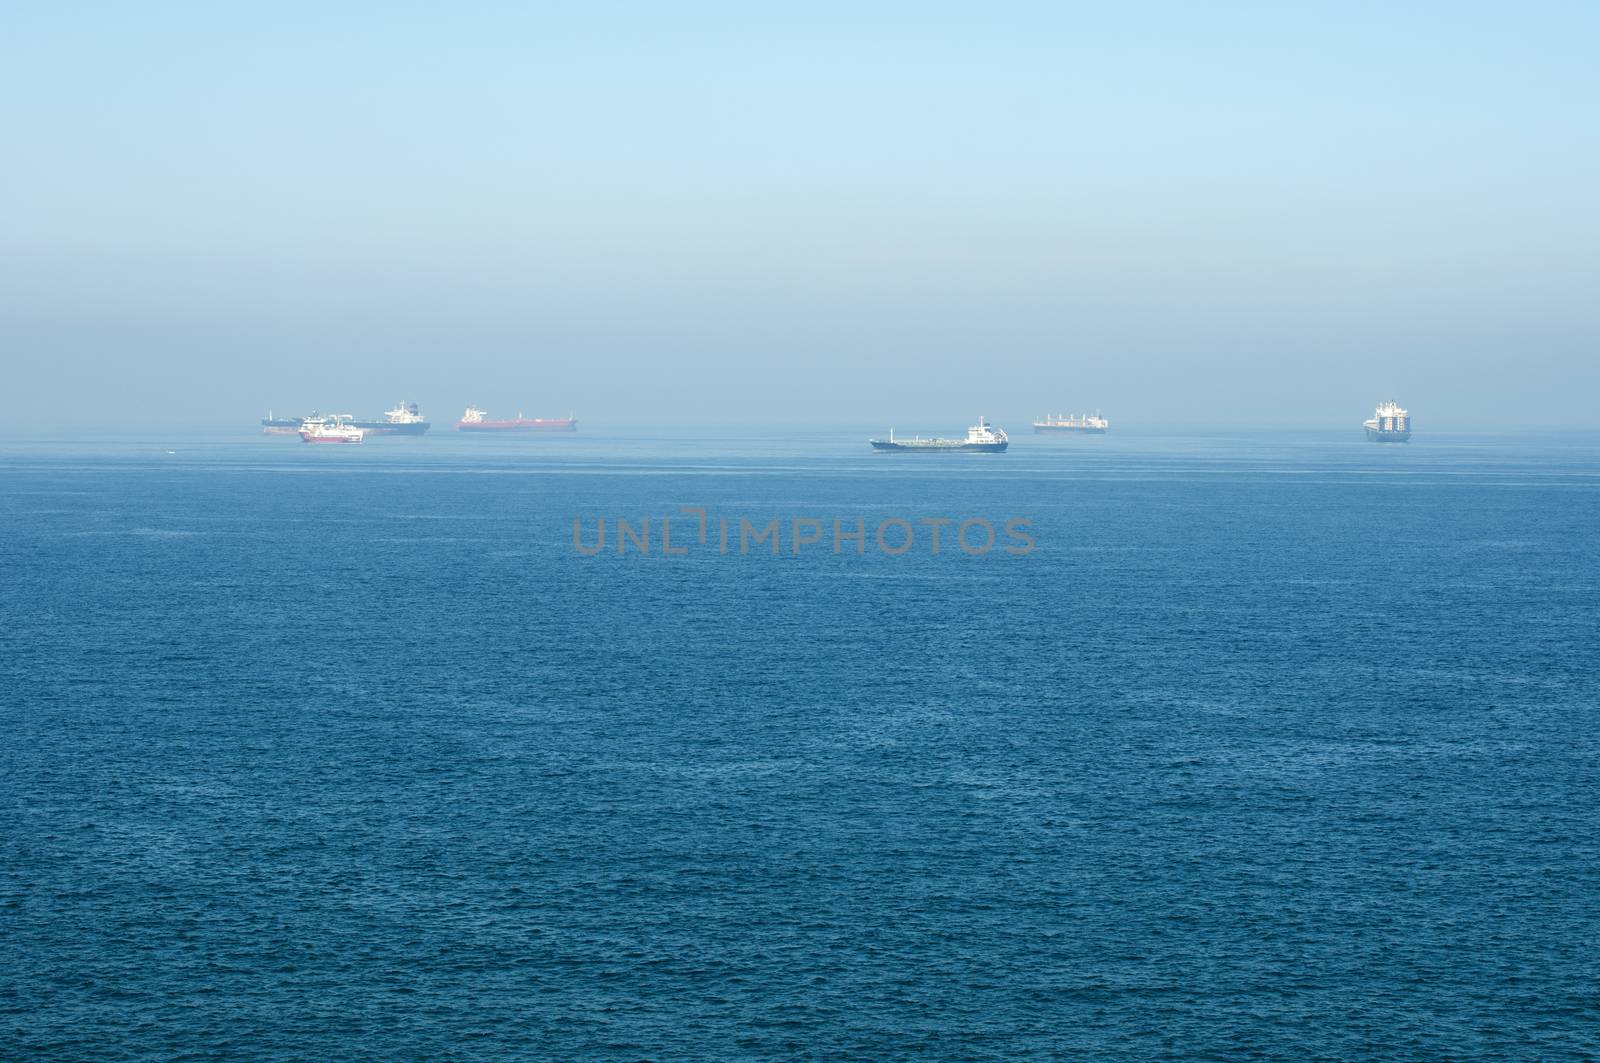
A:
867,213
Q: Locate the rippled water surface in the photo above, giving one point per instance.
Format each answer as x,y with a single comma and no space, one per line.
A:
1274,746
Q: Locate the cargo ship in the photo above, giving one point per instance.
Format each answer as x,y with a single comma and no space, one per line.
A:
1090,424
980,437
403,420
339,429
1389,424
476,420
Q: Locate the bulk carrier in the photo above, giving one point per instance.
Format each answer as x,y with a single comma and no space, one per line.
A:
981,437
1389,424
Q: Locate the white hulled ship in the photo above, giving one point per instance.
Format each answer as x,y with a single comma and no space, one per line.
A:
1088,423
476,420
336,429
1390,424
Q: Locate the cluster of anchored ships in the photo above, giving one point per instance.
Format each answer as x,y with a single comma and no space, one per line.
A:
984,436
404,420
1390,424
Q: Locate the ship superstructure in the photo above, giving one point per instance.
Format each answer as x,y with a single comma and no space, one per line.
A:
404,420
982,437
476,420
1088,423
1389,424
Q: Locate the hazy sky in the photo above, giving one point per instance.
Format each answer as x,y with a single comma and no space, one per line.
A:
849,212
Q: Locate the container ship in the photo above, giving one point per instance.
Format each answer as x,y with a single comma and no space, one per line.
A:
1090,424
980,437
476,420
1389,424
338,429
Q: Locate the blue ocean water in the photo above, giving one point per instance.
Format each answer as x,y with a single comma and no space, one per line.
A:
1272,747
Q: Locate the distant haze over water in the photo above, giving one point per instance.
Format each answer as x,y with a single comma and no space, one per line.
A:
1272,218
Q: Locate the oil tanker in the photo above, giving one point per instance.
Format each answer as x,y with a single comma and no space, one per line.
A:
285,426
982,437
404,420
1091,424
476,420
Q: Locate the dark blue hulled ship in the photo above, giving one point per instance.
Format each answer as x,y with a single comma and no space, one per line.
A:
981,436
285,426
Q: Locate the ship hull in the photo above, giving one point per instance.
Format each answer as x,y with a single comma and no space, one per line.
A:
943,448
1082,430
530,425
329,439
1376,435
384,428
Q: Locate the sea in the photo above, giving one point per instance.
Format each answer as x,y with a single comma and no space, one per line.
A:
1270,746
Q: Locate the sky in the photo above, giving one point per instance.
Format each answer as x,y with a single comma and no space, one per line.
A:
852,214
